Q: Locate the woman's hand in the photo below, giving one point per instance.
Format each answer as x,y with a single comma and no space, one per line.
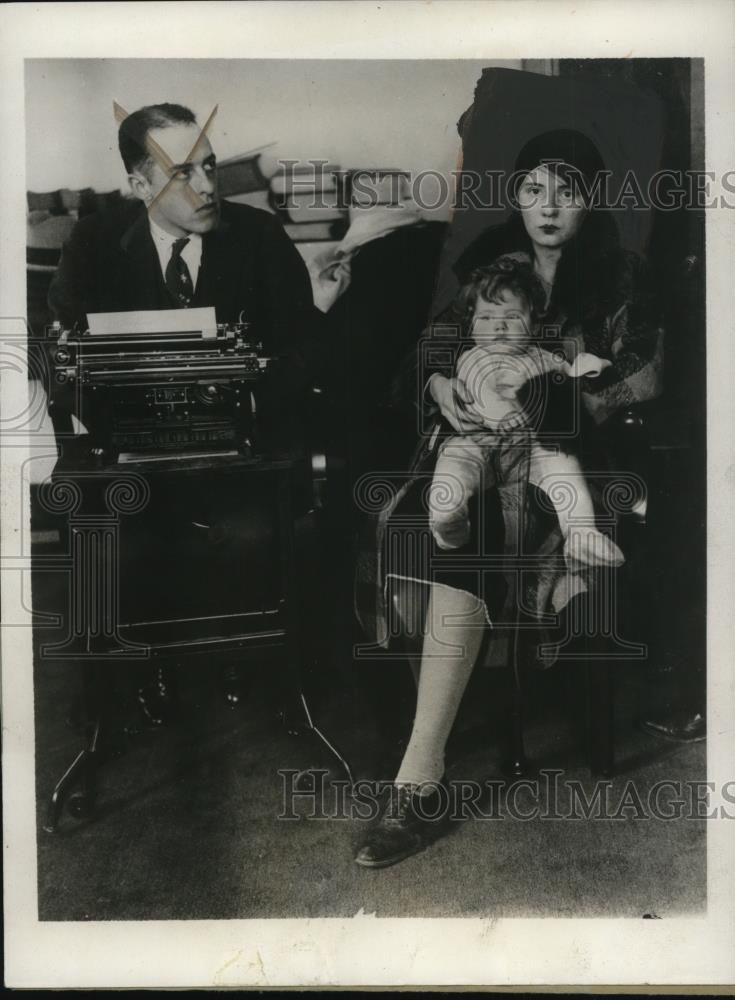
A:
452,397
589,365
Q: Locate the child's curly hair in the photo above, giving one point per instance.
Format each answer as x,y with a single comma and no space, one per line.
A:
506,273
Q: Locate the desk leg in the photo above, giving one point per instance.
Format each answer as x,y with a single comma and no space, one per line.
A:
297,717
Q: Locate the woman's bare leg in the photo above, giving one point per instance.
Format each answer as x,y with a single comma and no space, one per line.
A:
454,629
408,600
454,626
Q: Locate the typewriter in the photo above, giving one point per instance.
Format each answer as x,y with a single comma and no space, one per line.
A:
159,383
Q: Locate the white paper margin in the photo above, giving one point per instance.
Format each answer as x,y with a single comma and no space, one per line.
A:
364,950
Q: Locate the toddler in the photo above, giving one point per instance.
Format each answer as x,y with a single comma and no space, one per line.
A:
501,303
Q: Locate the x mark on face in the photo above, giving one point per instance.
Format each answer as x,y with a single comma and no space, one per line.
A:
164,160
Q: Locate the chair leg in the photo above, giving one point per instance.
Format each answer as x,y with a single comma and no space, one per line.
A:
294,709
82,772
516,764
601,718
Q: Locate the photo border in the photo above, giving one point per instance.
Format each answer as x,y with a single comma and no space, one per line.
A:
366,950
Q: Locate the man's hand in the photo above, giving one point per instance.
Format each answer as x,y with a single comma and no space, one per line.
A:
452,397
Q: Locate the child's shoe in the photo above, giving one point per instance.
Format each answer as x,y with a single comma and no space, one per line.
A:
451,529
590,547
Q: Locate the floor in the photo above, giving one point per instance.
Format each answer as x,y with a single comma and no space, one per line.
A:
187,824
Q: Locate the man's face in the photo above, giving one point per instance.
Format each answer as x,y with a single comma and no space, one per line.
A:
182,198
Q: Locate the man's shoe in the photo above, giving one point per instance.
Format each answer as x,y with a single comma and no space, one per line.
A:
679,727
408,824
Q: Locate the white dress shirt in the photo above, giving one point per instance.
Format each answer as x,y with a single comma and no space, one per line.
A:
191,254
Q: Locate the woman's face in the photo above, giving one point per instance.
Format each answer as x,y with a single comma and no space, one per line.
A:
552,213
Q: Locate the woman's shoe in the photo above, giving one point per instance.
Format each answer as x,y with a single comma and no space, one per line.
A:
409,823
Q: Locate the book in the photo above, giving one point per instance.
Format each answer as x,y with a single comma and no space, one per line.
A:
256,199
322,197
306,214
312,232
310,208
306,177
240,176
367,186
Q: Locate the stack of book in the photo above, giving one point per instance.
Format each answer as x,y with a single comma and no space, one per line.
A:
240,175
309,199
241,180
366,187
312,199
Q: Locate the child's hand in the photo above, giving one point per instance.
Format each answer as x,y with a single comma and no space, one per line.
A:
453,397
493,380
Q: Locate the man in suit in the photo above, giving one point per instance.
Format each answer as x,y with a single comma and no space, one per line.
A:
178,245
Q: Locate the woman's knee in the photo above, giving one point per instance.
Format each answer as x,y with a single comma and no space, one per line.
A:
409,605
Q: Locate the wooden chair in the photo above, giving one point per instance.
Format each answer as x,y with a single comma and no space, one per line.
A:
596,650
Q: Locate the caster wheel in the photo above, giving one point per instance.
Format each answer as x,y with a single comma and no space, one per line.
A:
157,705
284,720
232,690
235,683
80,805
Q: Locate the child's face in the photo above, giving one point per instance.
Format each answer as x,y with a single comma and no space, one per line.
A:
506,322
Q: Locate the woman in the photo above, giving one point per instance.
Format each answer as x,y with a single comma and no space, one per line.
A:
596,296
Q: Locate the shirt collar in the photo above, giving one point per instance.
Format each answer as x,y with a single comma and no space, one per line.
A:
161,236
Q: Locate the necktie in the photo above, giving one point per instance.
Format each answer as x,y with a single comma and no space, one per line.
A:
178,279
